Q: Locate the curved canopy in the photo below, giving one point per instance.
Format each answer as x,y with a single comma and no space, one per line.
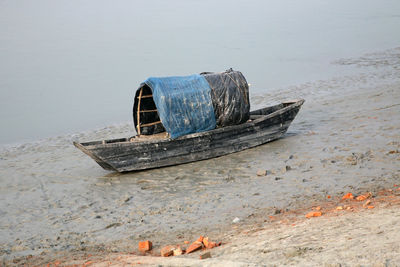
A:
190,104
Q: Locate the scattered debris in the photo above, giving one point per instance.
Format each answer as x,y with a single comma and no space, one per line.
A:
200,243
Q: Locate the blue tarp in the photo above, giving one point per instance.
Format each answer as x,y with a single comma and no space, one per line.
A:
184,104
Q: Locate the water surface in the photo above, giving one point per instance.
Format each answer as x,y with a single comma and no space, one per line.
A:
70,66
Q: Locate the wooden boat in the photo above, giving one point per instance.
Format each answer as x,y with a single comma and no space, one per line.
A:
145,152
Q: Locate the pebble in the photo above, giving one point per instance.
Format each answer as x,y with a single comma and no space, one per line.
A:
236,220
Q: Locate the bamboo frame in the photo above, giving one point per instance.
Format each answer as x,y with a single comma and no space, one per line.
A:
149,110
138,111
145,96
150,124
139,125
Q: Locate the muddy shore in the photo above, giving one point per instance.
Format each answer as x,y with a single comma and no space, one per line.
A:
345,138
358,235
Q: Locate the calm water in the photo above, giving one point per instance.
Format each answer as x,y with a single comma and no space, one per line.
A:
69,66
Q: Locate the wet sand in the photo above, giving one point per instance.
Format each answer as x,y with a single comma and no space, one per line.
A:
345,138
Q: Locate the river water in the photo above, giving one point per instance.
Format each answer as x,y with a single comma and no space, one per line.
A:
68,66
68,71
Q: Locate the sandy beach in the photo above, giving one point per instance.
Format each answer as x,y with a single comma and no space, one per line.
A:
57,206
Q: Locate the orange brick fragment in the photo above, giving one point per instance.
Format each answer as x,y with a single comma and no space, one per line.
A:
145,246
206,241
367,202
209,244
196,245
186,242
348,196
339,208
167,251
313,214
361,198
200,239
178,251
328,196
370,207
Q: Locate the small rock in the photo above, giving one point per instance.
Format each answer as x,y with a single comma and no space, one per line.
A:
205,256
262,172
277,211
288,168
236,220
278,178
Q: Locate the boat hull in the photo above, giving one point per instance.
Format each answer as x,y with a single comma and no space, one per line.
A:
121,155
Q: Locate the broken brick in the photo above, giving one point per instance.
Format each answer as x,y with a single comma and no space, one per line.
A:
209,244
196,245
313,214
361,198
167,251
348,196
205,241
145,246
178,251
200,239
